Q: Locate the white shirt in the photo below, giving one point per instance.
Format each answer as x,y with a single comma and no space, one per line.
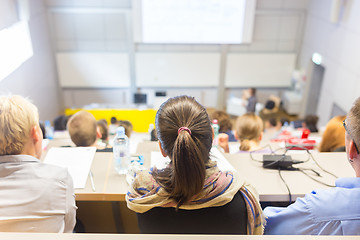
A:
35,197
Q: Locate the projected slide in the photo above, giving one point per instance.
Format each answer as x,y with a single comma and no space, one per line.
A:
193,21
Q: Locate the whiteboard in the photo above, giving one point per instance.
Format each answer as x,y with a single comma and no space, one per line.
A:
98,69
177,69
259,70
193,21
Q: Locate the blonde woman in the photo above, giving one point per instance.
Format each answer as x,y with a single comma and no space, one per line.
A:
249,132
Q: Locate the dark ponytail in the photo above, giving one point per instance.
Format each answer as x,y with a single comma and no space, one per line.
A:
188,150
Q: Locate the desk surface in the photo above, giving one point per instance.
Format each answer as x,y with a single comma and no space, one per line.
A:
69,236
269,184
112,187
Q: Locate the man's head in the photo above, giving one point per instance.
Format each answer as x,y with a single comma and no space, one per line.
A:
252,91
82,129
20,132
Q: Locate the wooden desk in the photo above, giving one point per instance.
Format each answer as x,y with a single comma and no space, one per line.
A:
69,236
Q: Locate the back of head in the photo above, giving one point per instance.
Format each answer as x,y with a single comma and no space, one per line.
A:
128,127
353,122
334,135
17,117
102,125
273,122
311,122
252,91
248,127
113,120
283,120
82,129
60,123
185,134
270,105
223,120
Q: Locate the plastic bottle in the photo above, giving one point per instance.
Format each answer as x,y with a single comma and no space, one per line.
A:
121,151
49,131
134,167
216,128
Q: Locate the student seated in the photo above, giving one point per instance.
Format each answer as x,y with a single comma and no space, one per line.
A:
60,123
249,132
34,197
103,128
191,195
84,131
127,126
310,122
114,124
334,211
225,125
333,139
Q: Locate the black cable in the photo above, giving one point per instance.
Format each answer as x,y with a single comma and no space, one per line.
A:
322,167
256,160
302,170
283,180
289,147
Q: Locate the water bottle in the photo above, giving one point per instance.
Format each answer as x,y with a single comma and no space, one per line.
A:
134,167
49,131
216,128
121,151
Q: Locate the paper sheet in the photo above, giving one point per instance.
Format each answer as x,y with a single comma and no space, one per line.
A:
158,161
77,160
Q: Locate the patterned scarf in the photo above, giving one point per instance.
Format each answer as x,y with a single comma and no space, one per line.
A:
219,189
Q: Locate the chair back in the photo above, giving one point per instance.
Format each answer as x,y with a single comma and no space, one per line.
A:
228,219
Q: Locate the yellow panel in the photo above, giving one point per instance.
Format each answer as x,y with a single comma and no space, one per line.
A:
140,119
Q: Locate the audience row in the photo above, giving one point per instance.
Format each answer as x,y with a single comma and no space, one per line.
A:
190,195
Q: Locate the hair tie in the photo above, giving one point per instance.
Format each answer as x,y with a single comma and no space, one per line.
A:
184,128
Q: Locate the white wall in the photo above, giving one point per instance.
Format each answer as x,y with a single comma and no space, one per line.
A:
36,78
338,43
278,29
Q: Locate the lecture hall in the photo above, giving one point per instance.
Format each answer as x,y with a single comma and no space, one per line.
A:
179,119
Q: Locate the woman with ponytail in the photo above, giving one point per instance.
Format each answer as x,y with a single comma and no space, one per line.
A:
191,195
249,131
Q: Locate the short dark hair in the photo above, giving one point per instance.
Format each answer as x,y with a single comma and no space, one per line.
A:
253,91
113,120
223,121
270,104
273,122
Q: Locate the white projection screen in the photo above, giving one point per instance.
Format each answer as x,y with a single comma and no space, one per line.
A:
193,21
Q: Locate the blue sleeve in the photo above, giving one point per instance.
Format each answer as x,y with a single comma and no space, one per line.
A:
295,219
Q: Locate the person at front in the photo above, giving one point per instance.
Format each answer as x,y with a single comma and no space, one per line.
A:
334,211
191,181
251,100
34,197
